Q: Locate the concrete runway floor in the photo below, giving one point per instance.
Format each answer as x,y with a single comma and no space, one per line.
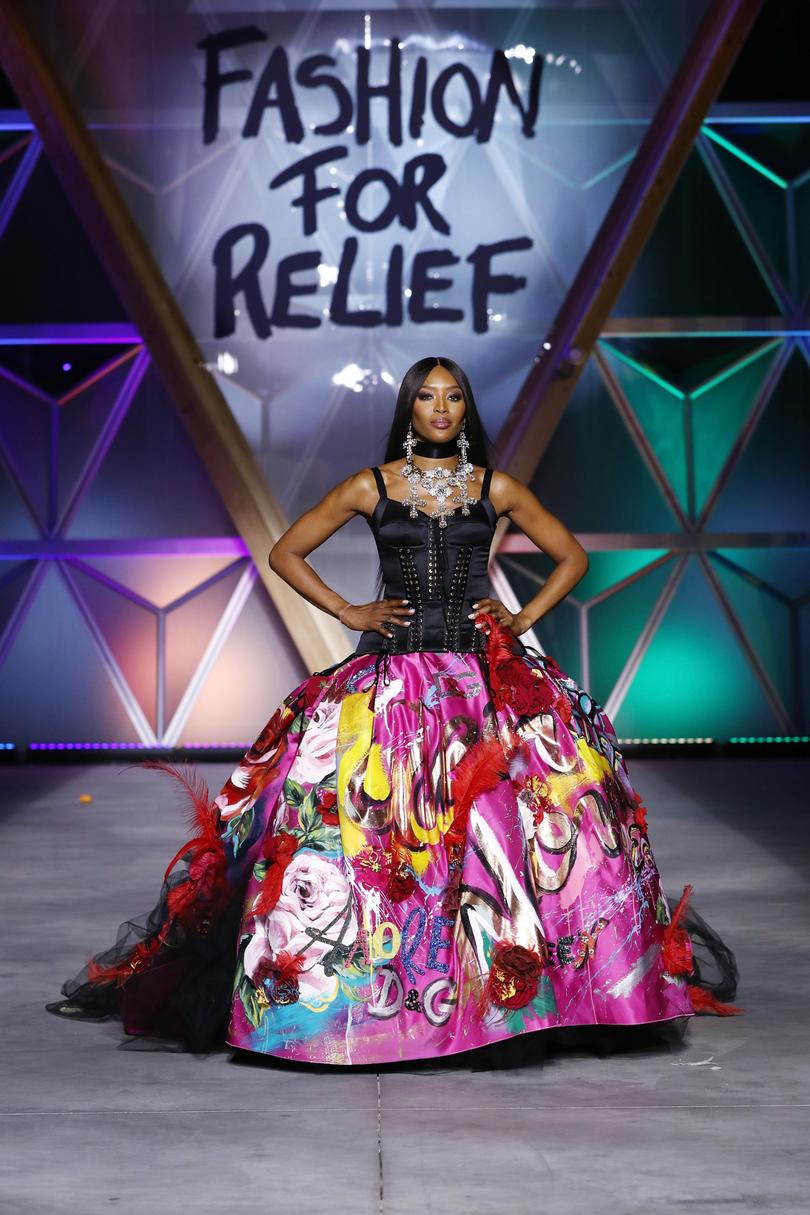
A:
92,1122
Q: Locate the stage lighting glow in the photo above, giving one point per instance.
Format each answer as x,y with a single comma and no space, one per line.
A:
227,363
352,376
526,53
326,274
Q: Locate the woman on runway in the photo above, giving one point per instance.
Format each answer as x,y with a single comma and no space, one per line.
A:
433,846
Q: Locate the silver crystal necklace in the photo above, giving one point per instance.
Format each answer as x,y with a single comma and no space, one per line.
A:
437,483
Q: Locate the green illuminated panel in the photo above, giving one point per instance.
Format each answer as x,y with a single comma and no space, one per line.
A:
766,622
615,624
592,474
718,414
769,488
696,263
694,679
659,408
784,569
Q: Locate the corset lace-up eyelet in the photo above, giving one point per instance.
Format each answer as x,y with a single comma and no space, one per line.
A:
455,598
413,592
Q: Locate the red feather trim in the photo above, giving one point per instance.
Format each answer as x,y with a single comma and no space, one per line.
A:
201,815
676,944
677,954
500,642
279,850
287,966
515,684
482,768
704,1002
204,889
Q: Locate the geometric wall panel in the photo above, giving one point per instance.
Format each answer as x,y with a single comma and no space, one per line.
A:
189,628
87,422
660,413
718,413
18,522
694,679
769,489
15,581
25,447
241,691
160,579
766,618
785,571
691,430
697,263
151,482
592,475
56,251
54,678
615,623
130,630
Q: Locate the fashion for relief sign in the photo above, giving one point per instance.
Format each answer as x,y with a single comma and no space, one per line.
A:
276,87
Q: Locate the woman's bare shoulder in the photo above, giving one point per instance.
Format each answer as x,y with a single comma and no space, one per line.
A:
506,491
355,493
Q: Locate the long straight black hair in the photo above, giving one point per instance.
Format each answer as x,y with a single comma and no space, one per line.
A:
480,449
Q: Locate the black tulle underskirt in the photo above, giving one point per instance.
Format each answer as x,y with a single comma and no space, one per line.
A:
184,996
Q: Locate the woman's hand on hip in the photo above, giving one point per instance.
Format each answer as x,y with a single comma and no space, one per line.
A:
515,622
377,617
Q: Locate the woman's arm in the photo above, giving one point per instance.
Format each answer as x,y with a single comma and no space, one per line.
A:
357,494
550,535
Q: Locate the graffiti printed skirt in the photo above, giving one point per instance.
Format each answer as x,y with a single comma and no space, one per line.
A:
420,854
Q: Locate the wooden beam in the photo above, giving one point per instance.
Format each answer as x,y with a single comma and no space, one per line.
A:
649,179
151,306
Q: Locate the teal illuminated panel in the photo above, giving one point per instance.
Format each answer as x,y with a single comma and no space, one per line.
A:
694,678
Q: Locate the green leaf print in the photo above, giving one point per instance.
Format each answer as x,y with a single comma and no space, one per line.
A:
253,1010
308,817
328,840
293,792
242,827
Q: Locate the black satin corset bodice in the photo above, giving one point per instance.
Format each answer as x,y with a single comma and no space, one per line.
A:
441,570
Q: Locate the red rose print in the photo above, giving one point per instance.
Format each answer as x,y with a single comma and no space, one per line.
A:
325,803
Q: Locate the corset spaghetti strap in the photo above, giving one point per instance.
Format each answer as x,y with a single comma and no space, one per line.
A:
485,484
378,477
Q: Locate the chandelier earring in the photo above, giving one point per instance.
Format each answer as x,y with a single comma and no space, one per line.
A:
463,443
409,444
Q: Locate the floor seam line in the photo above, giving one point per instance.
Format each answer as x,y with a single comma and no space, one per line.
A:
380,1194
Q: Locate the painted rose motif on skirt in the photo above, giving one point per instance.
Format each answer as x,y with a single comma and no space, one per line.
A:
316,757
314,913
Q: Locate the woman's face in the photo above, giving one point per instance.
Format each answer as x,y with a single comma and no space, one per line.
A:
438,407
